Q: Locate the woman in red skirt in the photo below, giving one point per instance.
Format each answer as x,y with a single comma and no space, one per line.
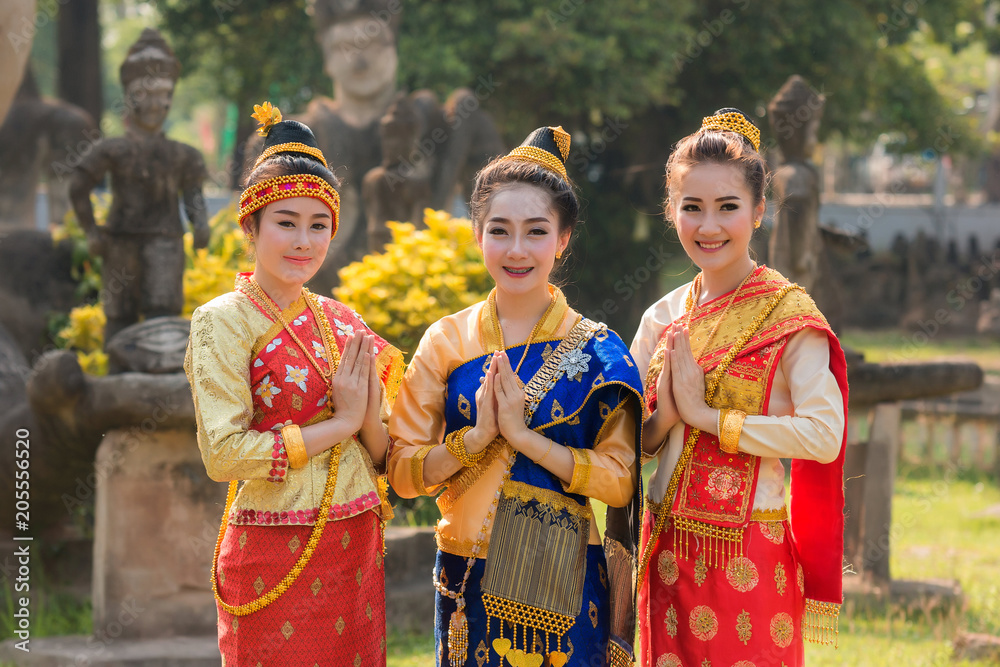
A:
741,370
292,392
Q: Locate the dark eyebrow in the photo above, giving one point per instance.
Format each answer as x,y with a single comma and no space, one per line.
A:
295,214
726,198
529,220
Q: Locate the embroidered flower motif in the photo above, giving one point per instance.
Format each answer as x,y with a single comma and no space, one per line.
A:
780,579
576,362
273,344
267,390
318,350
723,484
668,660
297,376
700,569
743,628
670,621
773,531
278,427
800,577
300,320
742,574
782,629
257,363
666,564
743,663
703,622
343,329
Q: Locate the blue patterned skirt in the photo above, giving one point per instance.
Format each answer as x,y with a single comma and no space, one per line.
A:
585,643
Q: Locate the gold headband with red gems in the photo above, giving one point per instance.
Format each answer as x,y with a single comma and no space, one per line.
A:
259,195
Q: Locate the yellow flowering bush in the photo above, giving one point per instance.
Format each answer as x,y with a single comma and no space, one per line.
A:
85,334
421,276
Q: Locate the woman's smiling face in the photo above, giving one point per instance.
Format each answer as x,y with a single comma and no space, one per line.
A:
520,237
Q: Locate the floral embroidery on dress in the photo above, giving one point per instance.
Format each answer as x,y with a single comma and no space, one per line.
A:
744,630
670,621
742,574
700,569
782,629
344,329
575,363
703,622
668,660
278,427
279,460
297,376
666,564
300,320
273,344
267,390
780,578
773,531
318,350
723,484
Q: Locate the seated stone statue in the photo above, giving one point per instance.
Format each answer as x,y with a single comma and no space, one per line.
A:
142,240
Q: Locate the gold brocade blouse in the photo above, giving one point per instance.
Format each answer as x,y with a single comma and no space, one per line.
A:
226,334
418,421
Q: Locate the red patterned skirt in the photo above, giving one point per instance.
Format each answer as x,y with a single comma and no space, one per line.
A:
746,614
334,613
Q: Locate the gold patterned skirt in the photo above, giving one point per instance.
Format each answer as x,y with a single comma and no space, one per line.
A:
334,613
747,613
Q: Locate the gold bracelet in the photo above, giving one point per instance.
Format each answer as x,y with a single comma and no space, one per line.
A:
729,440
295,448
455,443
539,461
721,421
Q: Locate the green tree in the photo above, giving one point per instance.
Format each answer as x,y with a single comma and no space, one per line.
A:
252,49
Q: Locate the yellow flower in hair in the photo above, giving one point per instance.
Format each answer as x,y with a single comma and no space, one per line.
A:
267,115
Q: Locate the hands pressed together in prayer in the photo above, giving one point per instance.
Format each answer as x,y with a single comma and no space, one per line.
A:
680,392
356,399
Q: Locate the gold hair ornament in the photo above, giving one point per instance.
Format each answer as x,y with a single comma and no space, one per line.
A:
733,122
544,158
267,115
291,147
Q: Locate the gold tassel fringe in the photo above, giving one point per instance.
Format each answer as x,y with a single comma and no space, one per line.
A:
821,623
721,543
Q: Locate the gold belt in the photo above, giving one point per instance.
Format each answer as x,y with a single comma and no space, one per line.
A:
780,514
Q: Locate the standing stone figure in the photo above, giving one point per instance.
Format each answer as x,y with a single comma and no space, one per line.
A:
796,243
796,247
396,189
142,240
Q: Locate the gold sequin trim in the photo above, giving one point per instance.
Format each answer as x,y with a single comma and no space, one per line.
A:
540,157
292,146
733,122
417,468
270,190
581,470
526,492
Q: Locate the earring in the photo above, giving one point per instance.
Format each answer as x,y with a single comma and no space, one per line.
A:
250,237
756,224
559,254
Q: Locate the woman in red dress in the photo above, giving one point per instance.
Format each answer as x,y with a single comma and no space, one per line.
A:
292,394
741,370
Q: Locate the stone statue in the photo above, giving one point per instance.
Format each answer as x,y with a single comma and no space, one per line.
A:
358,38
40,136
796,243
796,246
18,27
396,189
142,241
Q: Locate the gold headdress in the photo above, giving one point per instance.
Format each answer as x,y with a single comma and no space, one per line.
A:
546,146
732,120
287,136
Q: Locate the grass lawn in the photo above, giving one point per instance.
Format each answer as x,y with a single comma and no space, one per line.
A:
896,346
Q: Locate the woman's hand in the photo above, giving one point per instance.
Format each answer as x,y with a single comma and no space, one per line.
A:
666,415
510,402
688,381
486,429
349,390
373,413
